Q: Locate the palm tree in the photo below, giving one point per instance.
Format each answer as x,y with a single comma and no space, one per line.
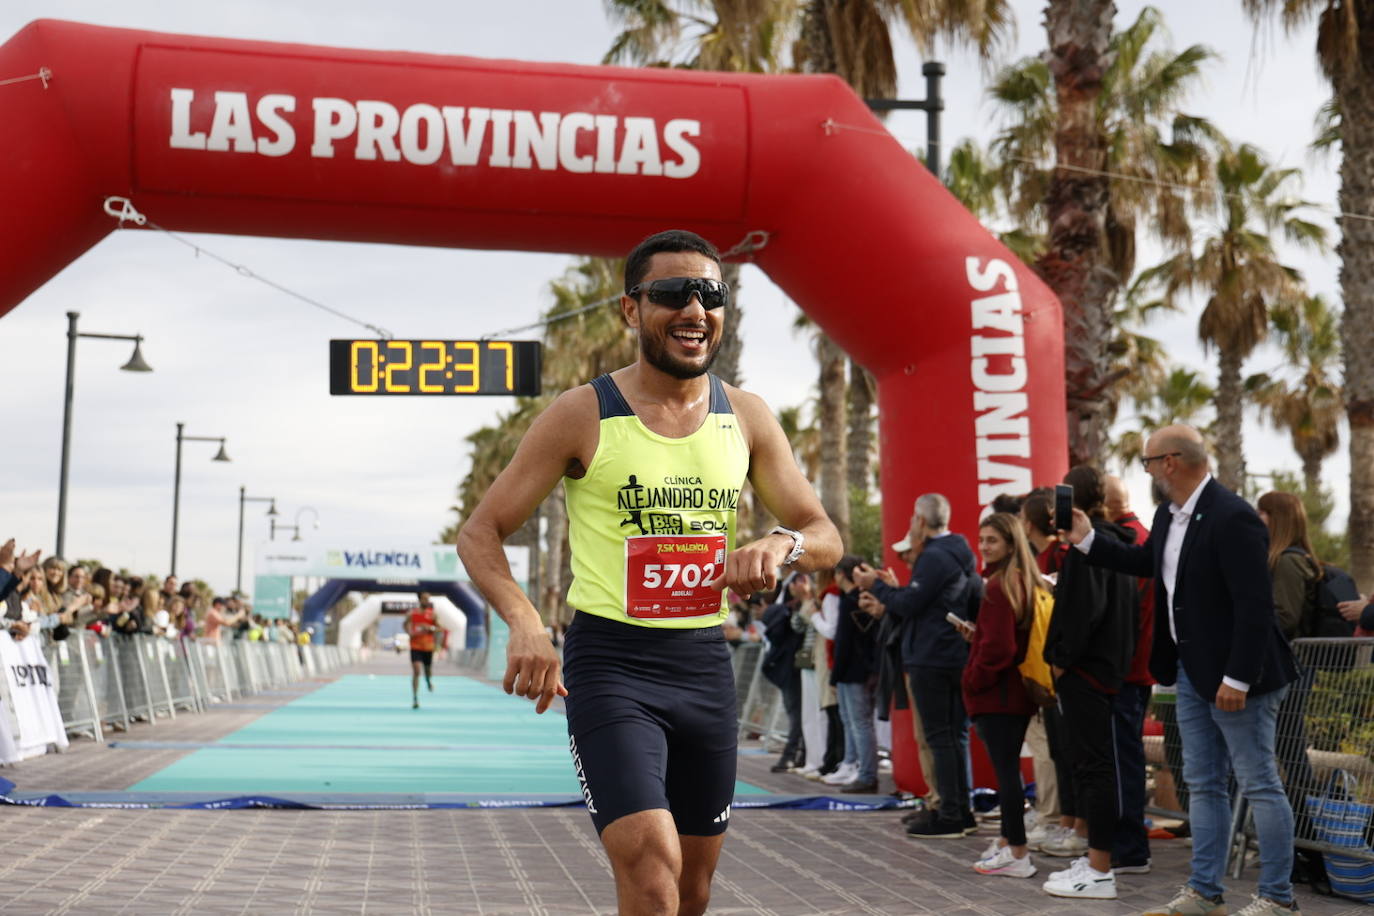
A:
1345,50
748,36
1239,270
1180,396
1097,104
1309,407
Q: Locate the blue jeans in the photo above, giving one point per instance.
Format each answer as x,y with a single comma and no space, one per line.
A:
1214,743
860,741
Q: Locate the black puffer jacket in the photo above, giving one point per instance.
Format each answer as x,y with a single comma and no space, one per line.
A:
1096,616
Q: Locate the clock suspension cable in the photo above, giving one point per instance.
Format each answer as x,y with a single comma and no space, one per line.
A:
122,209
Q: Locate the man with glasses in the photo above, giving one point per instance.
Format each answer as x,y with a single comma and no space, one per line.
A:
1218,638
652,458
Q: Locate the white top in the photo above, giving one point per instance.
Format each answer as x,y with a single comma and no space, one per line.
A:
827,619
1173,546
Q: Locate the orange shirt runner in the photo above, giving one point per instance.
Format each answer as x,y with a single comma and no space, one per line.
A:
420,638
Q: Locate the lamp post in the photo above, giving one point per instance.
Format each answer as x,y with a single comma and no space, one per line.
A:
932,105
296,528
176,486
271,511
135,364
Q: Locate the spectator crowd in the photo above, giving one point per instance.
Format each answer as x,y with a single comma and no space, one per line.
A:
48,599
1063,640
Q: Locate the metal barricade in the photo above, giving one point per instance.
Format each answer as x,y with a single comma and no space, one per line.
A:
761,713
249,672
76,701
126,650
1325,740
218,670
181,688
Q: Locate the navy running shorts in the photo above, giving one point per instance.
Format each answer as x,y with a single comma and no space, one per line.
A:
651,722
423,656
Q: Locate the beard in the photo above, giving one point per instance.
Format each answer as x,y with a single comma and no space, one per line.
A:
655,353
1157,490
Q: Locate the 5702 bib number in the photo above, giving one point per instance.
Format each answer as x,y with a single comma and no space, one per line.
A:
670,575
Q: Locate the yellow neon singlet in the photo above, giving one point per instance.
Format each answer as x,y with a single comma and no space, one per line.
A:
650,522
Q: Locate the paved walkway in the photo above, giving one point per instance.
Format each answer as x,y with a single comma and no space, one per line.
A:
540,861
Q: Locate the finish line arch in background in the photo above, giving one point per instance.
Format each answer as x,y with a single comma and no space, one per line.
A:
294,141
463,597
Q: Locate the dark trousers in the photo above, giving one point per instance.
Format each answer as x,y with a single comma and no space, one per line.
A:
1131,843
1088,725
834,740
940,701
791,703
1059,756
1003,736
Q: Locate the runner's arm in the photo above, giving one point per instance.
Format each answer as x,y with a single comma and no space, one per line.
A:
543,456
788,495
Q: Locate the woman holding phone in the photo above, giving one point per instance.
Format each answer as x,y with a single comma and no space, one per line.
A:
994,693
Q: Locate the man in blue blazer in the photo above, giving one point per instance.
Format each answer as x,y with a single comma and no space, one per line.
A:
1219,640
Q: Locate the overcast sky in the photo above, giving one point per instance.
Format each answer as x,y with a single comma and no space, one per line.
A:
236,359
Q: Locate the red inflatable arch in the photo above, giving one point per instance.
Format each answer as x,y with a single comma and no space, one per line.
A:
255,138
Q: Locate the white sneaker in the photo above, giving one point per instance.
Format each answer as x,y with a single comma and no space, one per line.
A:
1040,833
1075,866
1067,844
1082,881
809,772
848,772
1006,864
991,851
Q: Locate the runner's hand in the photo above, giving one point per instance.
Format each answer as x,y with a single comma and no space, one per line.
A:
754,567
532,668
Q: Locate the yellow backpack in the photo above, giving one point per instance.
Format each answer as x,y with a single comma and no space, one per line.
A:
1035,671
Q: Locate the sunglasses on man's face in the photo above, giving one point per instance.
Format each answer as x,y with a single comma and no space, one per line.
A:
677,292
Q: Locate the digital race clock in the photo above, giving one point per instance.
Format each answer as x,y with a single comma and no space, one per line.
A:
434,367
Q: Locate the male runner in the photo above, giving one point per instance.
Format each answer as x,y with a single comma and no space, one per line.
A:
421,625
650,694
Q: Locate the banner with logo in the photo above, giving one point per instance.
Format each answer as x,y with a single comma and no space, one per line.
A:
369,557
29,717
272,596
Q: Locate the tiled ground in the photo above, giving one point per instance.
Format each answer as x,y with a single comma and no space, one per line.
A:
545,861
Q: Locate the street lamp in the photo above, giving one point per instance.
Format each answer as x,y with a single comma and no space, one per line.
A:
296,528
136,363
271,511
932,105
176,487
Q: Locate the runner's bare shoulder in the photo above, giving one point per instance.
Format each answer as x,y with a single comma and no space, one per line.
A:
753,411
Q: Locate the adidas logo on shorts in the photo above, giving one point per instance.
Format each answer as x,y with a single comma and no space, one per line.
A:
581,776
723,817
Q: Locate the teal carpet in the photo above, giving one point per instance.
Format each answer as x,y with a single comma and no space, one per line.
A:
358,735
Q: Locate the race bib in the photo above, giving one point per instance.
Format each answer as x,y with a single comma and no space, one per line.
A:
670,575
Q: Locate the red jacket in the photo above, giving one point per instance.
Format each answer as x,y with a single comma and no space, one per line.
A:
1145,635
991,681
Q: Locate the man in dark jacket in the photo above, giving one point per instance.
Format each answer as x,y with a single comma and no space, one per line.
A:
785,635
944,580
1090,643
1217,637
854,672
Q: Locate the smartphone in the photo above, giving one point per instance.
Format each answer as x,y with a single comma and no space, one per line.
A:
1063,507
958,621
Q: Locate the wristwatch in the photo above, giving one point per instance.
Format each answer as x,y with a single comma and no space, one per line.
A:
798,539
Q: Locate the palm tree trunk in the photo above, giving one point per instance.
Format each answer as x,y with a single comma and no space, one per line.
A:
731,344
859,464
1075,263
1230,409
833,395
1312,472
1356,94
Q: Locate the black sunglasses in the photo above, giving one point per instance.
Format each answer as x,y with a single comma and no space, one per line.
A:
676,292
